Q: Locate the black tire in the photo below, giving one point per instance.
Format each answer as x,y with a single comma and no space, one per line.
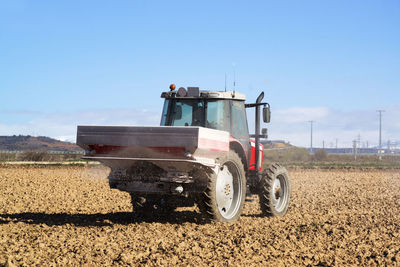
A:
149,204
225,194
274,191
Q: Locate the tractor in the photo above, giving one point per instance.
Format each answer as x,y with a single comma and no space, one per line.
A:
201,154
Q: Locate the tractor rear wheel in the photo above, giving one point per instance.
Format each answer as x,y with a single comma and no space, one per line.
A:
274,191
224,196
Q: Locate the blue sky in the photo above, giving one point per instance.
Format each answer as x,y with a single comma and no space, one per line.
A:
63,61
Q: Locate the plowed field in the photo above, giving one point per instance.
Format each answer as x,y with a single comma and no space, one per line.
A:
69,216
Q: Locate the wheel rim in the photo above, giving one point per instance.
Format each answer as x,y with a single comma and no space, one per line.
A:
228,190
279,193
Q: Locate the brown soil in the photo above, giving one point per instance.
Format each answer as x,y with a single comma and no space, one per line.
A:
69,216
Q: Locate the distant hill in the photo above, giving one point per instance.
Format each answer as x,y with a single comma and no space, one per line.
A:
27,142
273,144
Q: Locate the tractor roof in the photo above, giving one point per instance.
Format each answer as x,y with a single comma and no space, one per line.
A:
195,93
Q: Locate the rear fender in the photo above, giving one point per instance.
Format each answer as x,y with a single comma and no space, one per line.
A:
236,146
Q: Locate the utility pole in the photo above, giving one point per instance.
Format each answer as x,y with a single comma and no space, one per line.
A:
311,148
380,132
355,149
323,144
336,142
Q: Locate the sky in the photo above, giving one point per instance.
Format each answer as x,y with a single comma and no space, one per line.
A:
68,63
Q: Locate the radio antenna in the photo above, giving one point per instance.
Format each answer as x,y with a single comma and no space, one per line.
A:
234,80
225,81
234,77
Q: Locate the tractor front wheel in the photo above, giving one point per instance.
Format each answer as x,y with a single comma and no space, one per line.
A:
274,191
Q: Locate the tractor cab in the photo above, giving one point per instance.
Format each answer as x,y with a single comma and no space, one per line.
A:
210,109
223,111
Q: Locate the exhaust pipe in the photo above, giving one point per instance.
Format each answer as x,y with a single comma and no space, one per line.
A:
257,133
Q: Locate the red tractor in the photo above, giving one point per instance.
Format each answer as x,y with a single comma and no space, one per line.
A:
201,153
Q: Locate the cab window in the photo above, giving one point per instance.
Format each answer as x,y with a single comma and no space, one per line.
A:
217,115
183,113
239,122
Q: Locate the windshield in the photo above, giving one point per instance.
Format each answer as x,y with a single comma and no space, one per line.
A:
196,112
183,112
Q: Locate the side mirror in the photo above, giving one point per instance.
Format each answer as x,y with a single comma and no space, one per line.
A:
267,114
178,112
